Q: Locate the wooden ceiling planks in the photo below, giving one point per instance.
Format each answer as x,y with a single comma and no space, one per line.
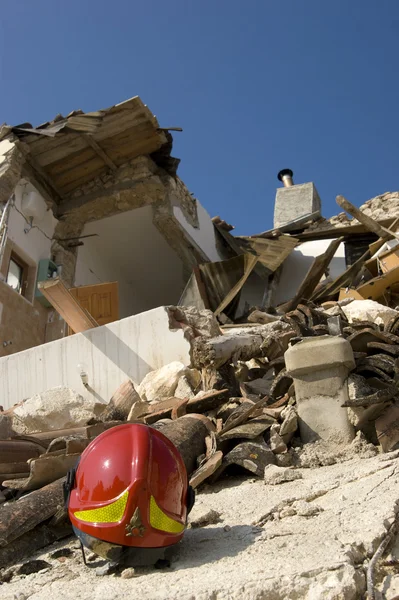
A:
119,134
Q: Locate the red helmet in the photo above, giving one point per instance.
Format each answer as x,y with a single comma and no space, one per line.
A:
128,494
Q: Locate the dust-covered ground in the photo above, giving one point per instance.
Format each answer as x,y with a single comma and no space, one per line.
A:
311,538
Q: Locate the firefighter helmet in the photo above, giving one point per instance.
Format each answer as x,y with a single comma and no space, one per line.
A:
128,498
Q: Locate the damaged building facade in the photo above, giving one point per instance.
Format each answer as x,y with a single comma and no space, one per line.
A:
270,361
95,200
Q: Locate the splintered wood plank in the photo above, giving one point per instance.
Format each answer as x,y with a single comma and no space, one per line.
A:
249,263
368,222
67,306
314,275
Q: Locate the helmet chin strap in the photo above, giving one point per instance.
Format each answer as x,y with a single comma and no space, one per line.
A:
83,553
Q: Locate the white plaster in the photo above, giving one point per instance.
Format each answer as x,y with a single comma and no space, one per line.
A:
204,235
129,348
5,147
130,249
34,244
298,263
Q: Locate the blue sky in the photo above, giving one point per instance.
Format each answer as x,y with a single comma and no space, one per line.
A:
257,86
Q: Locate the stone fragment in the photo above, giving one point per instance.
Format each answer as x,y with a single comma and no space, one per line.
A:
369,310
275,475
210,517
107,569
194,322
184,389
390,587
129,573
289,424
6,430
58,408
277,444
162,383
306,509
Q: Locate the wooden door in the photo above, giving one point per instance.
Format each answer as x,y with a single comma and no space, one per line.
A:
100,300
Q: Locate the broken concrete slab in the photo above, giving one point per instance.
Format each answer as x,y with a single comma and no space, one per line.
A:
184,389
162,383
275,475
58,408
369,310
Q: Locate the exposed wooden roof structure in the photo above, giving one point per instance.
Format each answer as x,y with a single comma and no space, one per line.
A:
70,151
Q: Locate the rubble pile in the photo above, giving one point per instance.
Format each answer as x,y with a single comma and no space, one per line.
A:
237,408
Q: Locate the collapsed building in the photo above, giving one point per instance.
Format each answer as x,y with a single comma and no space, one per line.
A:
272,355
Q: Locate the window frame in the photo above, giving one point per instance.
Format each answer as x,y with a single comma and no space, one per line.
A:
14,257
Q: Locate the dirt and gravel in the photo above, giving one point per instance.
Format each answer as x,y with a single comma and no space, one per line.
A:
309,538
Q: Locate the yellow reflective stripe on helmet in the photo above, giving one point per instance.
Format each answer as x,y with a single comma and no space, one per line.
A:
112,513
159,520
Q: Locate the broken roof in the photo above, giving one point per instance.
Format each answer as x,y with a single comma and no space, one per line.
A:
70,151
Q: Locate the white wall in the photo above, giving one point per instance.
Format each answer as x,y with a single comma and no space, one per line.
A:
34,244
130,348
130,249
298,263
204,235
5,147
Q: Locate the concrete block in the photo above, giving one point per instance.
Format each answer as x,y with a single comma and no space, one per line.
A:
369,310
294,202
57,408
320,367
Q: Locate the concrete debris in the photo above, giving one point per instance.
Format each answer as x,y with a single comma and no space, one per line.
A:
58,408
277,443
184,389
275,475
369,310
300,396
162,383
323,549
211,517
6,430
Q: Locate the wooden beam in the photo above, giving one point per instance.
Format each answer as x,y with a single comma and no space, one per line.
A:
100,152
368,222
66,305
249,264
313,276
41,176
